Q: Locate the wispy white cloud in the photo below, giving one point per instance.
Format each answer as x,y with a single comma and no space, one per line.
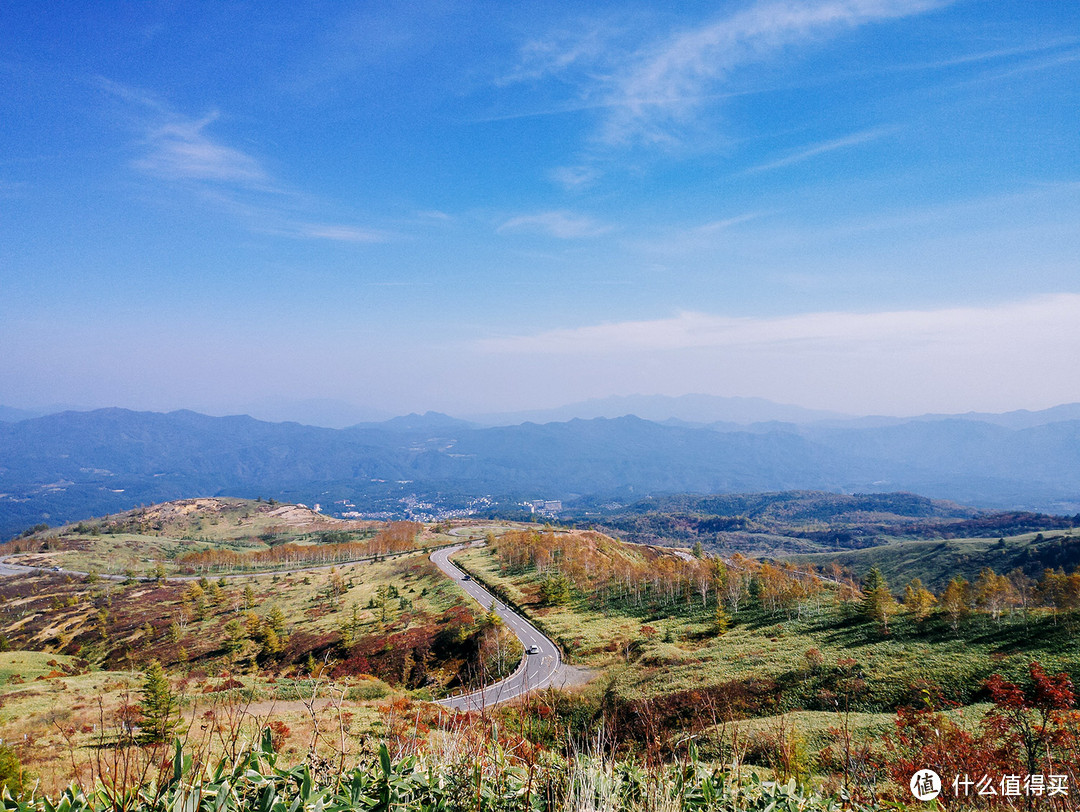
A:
563,225
713,226
181,149
700,242
989,357
136,96
662,86
557,53
1035,204
340,233
854,139
574,177
435,214
993,55
1037,65
833,332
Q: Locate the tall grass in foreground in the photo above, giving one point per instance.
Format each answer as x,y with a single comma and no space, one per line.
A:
456,773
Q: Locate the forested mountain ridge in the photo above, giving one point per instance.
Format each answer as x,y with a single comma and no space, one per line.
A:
75,464
902,534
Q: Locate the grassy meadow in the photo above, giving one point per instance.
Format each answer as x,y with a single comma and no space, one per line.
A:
332,656
765,667
654,650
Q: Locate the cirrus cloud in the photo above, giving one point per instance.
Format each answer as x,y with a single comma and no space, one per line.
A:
662,86
563,225
182,150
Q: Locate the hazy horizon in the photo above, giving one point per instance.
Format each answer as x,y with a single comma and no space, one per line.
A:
689,407
867,206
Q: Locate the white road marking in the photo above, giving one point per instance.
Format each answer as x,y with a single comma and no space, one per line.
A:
526,671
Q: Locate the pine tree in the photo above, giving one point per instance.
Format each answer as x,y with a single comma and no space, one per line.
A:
269,644
878,601
275,618
722,620
11,770
235,635
555,590
158,704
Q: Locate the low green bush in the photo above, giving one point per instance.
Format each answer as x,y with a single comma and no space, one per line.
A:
430,782
11,771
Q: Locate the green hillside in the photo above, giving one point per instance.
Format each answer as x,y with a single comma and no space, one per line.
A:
791,523
937,561
649,621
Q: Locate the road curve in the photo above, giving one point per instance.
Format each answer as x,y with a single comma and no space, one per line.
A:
535,671
15,569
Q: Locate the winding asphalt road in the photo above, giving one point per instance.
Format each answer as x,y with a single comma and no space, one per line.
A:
535,671
16,569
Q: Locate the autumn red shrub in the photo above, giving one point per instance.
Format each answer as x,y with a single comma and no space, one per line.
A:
227,685
1024,754
279,732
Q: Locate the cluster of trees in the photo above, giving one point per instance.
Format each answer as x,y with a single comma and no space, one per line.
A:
255,635
592,564
992,594
394,537
37,528
785,589
246,635
498,651
611,572
461,647
196,599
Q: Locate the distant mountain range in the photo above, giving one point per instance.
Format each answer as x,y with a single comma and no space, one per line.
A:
12,415
693,409
74,465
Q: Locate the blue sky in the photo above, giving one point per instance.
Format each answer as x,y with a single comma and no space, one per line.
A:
871,206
